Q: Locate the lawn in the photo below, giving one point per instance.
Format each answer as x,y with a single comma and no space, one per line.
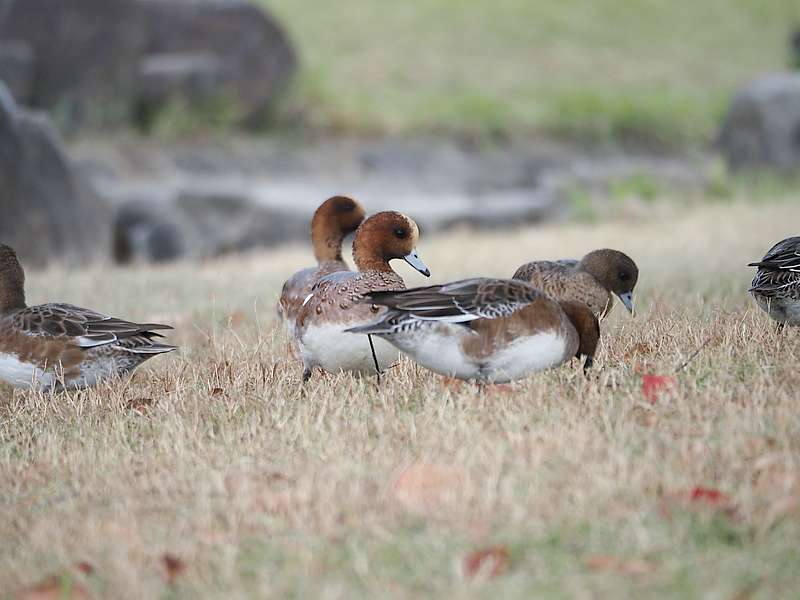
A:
662,71
214,474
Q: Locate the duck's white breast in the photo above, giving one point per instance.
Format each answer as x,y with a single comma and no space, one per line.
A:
23,374
328,346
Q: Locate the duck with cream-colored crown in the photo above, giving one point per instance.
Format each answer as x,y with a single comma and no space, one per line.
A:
591,280
334,306
61,345
776,285
489,330
335,219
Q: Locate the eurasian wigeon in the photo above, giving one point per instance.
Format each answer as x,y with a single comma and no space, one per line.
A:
490,330
776,285
61,345
334,306
591,280
335,219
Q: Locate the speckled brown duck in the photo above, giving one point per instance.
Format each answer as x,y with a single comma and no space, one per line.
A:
594,280
61,345
334,303
335,219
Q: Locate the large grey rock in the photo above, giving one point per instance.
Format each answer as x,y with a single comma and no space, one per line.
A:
47,212
194,225
762,127
16,68
97,61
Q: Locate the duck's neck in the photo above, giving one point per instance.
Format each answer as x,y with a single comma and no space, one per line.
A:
327,239
12,297
373,262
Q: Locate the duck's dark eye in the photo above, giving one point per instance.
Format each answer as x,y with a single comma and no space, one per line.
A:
401,233
623,276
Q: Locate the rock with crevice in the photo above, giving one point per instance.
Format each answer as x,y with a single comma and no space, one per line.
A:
100,61
49,213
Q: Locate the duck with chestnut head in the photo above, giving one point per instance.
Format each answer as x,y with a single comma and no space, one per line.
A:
334,220
334,303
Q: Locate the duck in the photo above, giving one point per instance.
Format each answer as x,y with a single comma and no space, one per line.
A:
484,329
334,302
595,279
334,219
62,346
776,284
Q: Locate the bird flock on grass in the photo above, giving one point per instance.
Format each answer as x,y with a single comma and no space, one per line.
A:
480,329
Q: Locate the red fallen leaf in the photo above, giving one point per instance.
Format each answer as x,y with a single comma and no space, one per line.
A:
655,386
173,566
487,562
605,562
85,568
706,495
139,405
217,392
54,588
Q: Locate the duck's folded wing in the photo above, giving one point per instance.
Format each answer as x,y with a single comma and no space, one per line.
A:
459,301
88,328
783,256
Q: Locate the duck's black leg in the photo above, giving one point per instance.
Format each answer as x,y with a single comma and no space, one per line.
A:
374,358
307,374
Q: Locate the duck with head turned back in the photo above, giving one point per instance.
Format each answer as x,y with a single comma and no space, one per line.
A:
591,280
61,345
335,219
489,330
776,285
334,303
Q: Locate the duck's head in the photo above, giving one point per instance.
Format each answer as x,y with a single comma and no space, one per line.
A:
385,236
335,218
615,271
12,280
588,328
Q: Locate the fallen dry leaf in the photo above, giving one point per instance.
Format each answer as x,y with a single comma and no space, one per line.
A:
657,386
54,588
487,562
606,562
173,567
217,392
421,486
140,405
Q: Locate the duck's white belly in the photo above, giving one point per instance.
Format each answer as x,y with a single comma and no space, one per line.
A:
525,356
333,349
24,374
440,349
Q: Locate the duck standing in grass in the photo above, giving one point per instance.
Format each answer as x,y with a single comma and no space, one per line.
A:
776,285
594,279
334,303
489,330
61,345
334,220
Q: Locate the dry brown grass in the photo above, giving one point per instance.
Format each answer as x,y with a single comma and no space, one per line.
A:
212,474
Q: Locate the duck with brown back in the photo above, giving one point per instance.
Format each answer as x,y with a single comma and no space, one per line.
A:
594,280
334,303
61,345
489,330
